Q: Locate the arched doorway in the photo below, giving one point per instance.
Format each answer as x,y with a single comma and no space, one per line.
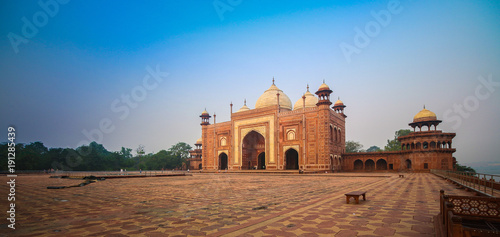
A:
381,164
222,161
262,161
332,164
358,165
253,146
369,165
199,166
408,164
292,159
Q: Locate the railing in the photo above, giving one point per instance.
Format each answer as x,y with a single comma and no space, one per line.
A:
468,215
482,183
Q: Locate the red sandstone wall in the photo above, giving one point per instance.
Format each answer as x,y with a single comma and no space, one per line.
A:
319,138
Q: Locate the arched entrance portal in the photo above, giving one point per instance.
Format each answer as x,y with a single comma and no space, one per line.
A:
381,164
408,164
222,161
358,165
253,146
369,165
199,166
262,161
292,159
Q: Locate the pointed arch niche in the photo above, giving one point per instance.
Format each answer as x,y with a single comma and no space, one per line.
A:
262,126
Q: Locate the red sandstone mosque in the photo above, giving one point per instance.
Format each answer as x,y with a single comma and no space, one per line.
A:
310,136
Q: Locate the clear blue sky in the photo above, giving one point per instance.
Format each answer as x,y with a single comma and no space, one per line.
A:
66,68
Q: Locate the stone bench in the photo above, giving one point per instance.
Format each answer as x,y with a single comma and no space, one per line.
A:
355,195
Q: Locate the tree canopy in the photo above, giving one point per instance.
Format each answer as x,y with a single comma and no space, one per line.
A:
394,144
180,149
373,149
352,146
93,157
464,168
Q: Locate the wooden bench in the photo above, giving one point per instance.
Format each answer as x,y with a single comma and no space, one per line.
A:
355,195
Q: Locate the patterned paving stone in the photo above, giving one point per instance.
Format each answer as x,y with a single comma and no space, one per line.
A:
422,218
391,220
346,233
228,204
384,231
423,229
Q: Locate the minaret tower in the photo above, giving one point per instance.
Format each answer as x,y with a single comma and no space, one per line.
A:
324,95
339,107
205,117
324,121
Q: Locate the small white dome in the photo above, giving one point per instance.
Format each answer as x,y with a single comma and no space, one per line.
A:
311,101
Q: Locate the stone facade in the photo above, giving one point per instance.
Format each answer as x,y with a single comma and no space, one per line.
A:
274,137
310,137
421,151
194,162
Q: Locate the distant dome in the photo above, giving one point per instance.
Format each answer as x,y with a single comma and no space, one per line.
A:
338,102
269,98
199,141
244,108
323,87
311,101
424,115
204,112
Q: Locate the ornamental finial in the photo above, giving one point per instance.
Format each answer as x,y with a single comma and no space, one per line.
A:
308,87
273,80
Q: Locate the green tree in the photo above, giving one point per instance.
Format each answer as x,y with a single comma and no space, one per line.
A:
56,158
126,152
181,152
140,150
463,168
94,157
31,156
3,156
394,144
181,149
352,146
373,149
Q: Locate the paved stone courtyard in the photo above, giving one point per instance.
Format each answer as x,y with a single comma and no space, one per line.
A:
228,205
